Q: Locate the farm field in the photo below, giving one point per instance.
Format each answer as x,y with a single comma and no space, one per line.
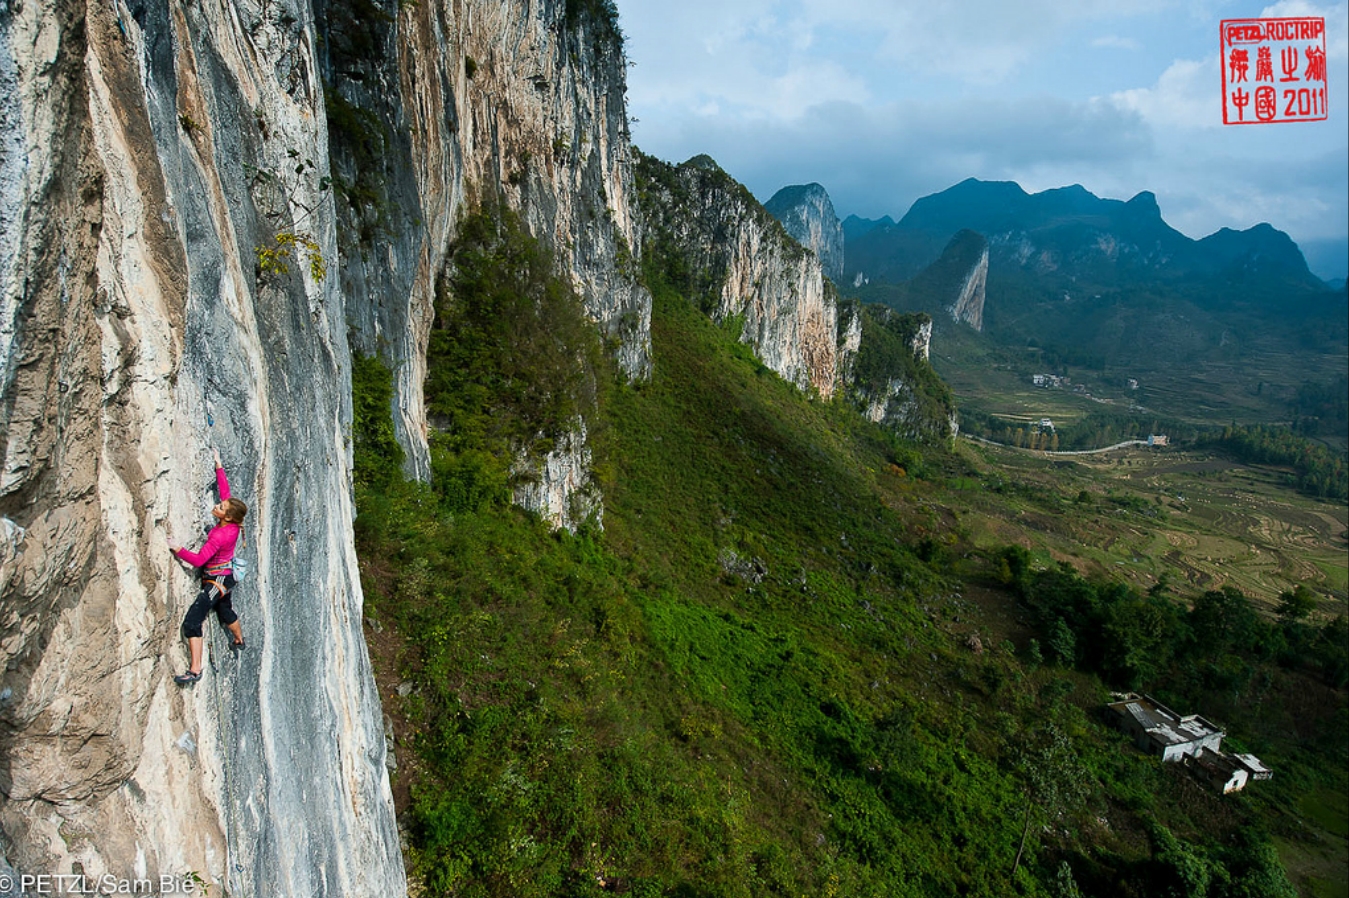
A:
1195,519
1254,387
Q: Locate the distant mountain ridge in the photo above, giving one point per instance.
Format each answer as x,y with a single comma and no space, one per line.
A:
1071,232
1233,325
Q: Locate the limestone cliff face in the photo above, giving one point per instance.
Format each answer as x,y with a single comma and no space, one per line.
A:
725,252
441,104
150,151
900,409
920,344
969,303
893,384
747,267
181,268
807,212
171,279
958,279
558,485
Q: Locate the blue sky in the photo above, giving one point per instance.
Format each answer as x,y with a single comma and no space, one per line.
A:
885,101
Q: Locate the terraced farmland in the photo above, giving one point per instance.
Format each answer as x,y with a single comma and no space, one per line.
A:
1142,514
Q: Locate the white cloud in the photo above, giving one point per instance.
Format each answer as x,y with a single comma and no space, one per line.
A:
759,55
978,42
1117,42
1186,96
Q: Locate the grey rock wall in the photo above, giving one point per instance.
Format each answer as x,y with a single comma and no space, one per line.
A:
899,407
485,100
895,385
558,486
752,271
150,156
807,212
969,302
739,263
147,151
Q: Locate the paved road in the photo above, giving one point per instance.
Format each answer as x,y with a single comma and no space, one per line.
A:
1066,452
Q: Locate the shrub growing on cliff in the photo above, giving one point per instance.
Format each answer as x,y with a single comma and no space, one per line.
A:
378,457
600,18
510,361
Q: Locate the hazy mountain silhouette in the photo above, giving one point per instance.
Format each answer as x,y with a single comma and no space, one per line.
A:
1071,236
1234,323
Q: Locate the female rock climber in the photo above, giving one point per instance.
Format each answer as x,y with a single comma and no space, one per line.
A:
217,578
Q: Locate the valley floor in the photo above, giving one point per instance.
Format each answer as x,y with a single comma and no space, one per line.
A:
1140,514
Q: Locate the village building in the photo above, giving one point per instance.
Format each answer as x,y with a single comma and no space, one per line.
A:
1190,739
1254,766
1222,771
1158,730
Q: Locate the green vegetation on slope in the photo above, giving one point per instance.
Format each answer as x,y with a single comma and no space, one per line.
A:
1318,471
887,354
750,682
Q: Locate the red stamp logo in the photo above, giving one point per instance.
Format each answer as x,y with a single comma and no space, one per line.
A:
1274,70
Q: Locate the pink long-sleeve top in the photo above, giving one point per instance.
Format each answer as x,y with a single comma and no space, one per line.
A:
218,552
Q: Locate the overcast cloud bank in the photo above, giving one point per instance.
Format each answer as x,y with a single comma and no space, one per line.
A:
884,102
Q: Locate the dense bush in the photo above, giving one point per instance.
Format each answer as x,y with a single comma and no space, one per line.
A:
1319,471
511,360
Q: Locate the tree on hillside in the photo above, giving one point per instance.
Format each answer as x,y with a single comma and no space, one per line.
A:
1224,619
1297,604
1055,783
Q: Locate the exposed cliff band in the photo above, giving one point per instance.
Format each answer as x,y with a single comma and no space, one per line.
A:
737,261
747,268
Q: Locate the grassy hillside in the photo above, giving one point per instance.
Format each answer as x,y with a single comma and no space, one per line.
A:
785,665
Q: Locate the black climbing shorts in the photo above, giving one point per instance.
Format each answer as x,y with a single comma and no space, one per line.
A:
210,597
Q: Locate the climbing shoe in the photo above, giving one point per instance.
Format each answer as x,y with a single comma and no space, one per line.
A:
238,646
187,679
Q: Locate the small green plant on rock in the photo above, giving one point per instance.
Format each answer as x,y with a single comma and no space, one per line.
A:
273,260
277,194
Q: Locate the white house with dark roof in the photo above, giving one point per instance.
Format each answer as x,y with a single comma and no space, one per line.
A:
1254,766
1221,770
1158,730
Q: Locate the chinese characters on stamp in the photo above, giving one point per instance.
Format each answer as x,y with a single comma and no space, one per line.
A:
1274,70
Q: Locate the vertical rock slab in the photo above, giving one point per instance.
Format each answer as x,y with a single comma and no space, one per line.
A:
968,251
745,266
151,153
807,212
492,100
